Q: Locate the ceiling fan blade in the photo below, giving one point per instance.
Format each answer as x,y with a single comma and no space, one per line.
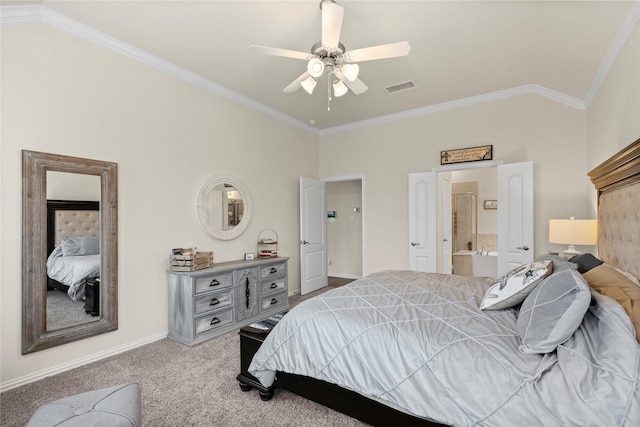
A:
356,86
294,85
280,52
332,15
391,50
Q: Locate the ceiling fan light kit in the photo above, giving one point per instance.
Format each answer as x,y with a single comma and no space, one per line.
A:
330,57
309,84
339,88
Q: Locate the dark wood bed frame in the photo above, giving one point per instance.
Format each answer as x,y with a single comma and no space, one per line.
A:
67,205
620,170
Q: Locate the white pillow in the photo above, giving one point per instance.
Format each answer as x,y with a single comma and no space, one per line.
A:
552,312
512,288
85,245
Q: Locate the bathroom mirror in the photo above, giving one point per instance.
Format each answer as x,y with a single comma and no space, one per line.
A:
223,207
39,172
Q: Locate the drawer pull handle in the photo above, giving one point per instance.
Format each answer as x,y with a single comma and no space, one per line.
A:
214,321
214,282
274,285
274,301
273,270
215,301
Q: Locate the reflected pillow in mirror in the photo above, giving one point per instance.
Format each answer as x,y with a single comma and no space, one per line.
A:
512,288
85,245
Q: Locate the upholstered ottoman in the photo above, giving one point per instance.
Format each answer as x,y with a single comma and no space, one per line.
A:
113,406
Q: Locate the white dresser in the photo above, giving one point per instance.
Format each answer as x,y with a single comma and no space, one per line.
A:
209,302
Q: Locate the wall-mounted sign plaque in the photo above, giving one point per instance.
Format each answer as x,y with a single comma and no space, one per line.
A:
461,155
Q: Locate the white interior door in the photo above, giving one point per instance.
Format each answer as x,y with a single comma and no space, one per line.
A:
515,215
313,235
423,222
446,225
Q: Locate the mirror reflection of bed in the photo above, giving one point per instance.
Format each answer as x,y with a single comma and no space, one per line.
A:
73,262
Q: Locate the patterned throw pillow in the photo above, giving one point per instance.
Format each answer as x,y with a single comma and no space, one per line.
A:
552,312
512,288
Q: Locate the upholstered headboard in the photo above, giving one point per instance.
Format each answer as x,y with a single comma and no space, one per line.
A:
74,223
71,218
618,183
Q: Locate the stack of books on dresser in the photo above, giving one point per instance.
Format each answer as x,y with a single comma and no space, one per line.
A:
188,259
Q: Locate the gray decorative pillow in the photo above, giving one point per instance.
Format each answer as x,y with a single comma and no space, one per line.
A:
85,245
559,263
552,312
512,288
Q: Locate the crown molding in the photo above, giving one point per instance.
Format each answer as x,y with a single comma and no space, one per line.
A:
628,27
551,94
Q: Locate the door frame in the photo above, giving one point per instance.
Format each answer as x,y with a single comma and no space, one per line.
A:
363,213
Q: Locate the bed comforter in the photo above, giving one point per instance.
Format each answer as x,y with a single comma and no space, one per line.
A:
73,271
419,342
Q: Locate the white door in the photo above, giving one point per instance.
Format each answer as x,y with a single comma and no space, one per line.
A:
446,225
422,222
515,215
313,235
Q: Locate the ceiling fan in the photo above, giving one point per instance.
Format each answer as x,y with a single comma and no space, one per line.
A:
329,56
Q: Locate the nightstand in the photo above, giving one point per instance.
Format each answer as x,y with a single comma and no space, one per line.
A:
250,341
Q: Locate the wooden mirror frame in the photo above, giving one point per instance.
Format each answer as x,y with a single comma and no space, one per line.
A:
35,336
201,209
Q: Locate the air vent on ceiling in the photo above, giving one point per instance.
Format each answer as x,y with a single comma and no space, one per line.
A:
400,87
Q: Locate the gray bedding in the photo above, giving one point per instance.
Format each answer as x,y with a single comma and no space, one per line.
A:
418,342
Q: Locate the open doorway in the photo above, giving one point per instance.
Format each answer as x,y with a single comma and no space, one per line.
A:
473,220
344,230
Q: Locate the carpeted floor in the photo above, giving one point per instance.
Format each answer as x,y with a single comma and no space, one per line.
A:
62,311
181,386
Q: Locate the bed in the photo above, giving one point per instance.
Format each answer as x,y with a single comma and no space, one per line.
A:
73,245
451,363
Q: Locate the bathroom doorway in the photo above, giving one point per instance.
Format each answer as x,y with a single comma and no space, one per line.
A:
473,221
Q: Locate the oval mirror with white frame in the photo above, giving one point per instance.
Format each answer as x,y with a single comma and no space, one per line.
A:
223,207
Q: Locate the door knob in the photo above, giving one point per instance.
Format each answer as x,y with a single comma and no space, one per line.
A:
524,248
304,242
415,244
445,240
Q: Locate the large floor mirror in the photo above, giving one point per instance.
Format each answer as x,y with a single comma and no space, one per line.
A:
70,241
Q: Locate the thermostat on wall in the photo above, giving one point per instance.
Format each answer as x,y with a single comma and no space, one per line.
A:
331,214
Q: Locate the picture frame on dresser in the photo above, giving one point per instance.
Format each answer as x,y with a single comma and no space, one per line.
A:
206,303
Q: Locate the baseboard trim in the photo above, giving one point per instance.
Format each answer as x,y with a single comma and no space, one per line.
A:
8,385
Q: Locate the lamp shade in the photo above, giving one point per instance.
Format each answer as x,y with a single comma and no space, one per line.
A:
573,232
350,71
339,88
315,67
309,84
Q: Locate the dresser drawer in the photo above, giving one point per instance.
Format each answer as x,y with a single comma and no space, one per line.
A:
272,270
275,300
213,282
213,301
213,321
273,285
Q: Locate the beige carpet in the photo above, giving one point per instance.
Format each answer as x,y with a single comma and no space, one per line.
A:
181,386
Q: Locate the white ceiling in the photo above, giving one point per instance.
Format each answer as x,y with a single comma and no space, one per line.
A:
461,51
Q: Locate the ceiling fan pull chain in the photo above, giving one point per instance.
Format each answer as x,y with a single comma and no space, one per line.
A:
329,93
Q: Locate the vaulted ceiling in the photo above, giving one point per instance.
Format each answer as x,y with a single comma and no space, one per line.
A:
461,51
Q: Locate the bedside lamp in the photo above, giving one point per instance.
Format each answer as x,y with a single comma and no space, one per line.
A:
573,232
